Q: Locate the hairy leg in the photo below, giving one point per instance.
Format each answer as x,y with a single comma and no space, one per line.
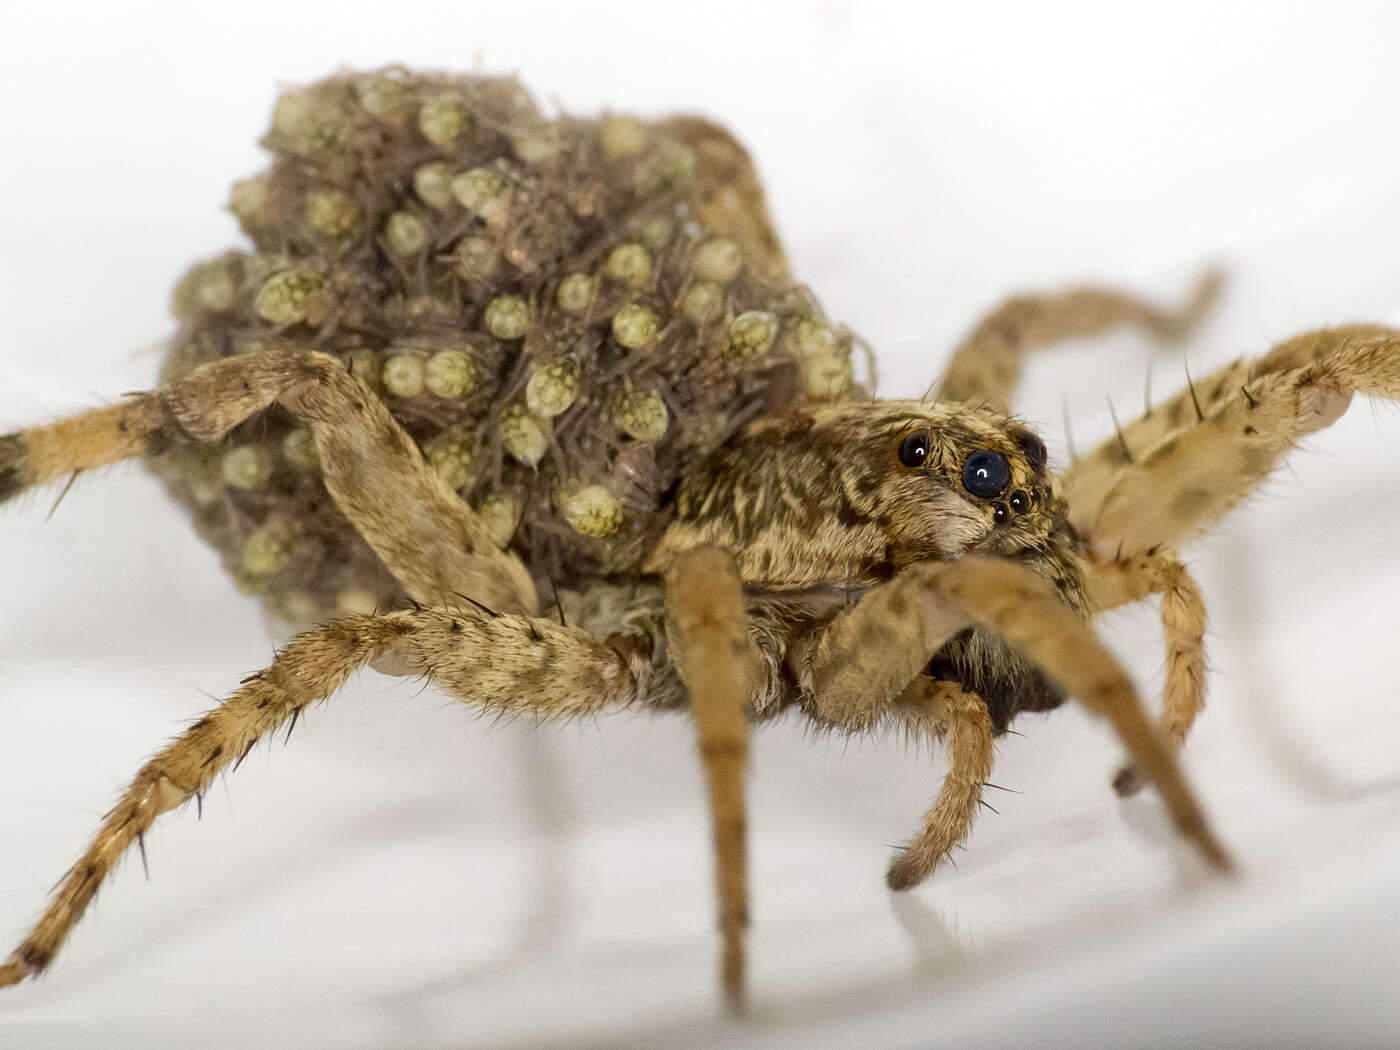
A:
987,365
847,673
1162,496
1183,632
1088,482
960,717
432,542
710,646
495,661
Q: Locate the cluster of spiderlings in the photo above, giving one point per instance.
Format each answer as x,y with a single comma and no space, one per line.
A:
563,313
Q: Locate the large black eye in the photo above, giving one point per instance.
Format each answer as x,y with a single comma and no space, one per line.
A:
913,450
986,473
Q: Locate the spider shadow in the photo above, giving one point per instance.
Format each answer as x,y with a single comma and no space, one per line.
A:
942,970
1278,737
542,926
943,965
304,864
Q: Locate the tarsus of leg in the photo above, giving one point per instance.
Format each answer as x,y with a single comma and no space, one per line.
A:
961,718
1183,615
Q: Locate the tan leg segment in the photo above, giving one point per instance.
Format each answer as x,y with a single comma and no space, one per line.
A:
1171,492
426,536
1020,607
1183,631
896,628
710,646
863,661
961,719
1087,483
507,663
987,366
1089,480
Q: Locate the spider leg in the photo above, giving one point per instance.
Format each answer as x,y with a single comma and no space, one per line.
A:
1250,416
710,647
432,542
1087,483
961,718
856,670
1183,615
495,661
986,366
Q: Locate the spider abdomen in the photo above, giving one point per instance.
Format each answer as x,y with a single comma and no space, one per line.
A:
561,312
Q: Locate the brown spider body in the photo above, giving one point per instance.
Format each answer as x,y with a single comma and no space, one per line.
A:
480,364
528,430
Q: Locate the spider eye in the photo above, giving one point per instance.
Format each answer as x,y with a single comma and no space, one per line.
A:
913,450
1034,450
986,473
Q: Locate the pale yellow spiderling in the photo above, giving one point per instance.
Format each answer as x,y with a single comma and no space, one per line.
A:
246,467
635,325
552,387
290,296
450,373
444,120
523,436
508,317
752,334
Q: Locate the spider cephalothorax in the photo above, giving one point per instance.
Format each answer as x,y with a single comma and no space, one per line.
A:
855,492
475,357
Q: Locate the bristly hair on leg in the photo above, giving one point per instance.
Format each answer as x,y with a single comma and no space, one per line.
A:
1118,429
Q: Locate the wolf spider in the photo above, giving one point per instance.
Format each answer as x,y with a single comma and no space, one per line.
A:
856,561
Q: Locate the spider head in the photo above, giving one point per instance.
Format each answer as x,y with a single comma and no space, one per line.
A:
849,494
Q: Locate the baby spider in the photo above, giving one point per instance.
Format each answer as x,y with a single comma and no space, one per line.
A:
474,357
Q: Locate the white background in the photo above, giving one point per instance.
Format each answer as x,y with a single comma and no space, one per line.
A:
402,874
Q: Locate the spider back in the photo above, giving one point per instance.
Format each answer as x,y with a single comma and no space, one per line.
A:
561,312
